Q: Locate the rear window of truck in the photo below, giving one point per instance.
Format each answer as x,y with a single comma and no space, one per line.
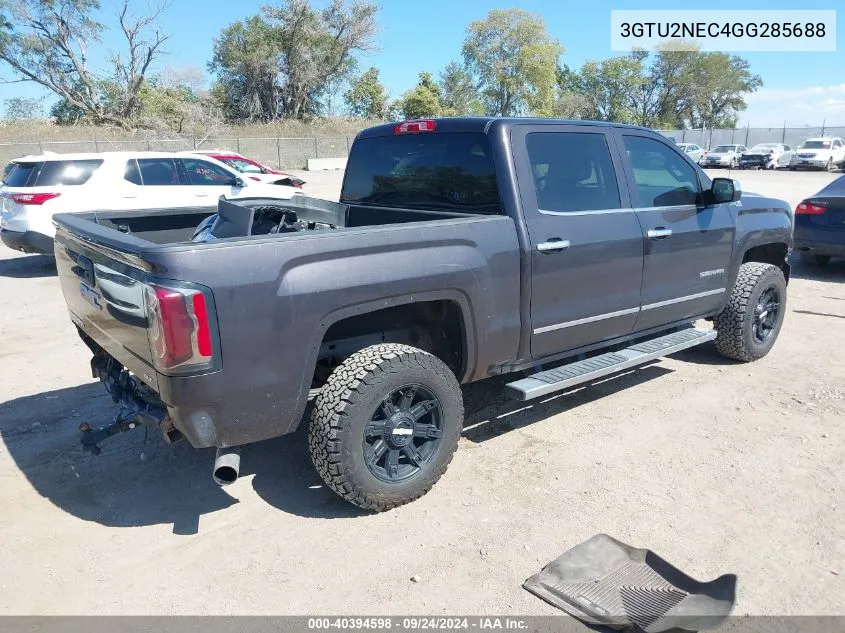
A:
450,172
51,173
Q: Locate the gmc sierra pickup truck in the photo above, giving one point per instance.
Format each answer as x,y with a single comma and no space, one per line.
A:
554,251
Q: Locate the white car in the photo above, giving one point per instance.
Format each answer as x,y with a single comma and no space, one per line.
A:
723,156
692,150
766,156
827,152
36,187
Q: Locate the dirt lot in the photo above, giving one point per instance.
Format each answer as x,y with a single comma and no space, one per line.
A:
717,466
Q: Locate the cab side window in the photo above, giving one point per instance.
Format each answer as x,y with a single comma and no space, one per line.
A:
572,171
661,176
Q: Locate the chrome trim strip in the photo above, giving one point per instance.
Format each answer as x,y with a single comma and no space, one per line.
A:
698,295
591,212
598,317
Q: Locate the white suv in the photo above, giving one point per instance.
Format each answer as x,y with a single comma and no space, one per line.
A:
819,153
36,187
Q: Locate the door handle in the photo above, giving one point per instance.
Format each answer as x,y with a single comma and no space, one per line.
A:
201,194
130,195
554,244
659,233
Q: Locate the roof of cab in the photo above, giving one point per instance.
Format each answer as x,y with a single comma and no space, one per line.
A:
484,124
116,155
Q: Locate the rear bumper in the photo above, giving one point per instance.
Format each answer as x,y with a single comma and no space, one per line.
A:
27,241
820,248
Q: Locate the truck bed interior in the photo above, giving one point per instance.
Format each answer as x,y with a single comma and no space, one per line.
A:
244,218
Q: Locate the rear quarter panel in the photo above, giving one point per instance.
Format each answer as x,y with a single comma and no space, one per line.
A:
276,298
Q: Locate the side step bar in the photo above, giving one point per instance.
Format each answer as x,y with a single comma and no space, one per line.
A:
551,380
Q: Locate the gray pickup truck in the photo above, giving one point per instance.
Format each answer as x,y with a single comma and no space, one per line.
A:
556,252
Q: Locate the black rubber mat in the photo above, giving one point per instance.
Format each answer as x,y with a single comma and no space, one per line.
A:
605,582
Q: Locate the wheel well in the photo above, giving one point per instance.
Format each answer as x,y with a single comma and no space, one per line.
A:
434,326
774,254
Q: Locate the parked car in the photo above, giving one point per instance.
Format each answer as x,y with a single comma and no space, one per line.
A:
460,249
253,169
820,225
826,152
723,156
692,150
37,187
766,156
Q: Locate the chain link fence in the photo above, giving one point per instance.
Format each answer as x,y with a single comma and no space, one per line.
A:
293,153
750,136
277,152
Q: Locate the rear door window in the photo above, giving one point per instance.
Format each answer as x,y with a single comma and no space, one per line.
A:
20,174
158,171
66,172
573,171
449,172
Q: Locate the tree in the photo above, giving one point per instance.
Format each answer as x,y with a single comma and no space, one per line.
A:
513,61
718,94
459,96
47,43
281,63
607,87
366,96
23,108
423,100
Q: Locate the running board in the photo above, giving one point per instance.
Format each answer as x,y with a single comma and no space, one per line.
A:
551,380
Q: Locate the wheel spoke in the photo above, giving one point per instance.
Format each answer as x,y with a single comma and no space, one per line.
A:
392,463
428,431
407,398
414,455
421,408
376,452
388,407
375,428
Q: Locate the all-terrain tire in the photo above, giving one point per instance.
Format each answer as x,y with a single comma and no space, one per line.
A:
735,323
347,403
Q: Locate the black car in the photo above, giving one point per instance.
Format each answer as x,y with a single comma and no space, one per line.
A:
820,225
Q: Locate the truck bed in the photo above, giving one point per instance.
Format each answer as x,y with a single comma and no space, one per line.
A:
281,292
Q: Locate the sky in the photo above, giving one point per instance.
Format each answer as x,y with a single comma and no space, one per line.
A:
803,88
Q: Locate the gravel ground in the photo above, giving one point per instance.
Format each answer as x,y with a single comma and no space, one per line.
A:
719,467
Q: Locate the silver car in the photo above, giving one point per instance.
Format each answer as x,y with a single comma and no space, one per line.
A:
766,156
692,150
723,156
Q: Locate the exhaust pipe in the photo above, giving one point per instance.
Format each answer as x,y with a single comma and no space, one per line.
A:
227,465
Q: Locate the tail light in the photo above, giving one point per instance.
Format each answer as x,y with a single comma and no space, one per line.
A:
810,208
180,329
34,198
414,127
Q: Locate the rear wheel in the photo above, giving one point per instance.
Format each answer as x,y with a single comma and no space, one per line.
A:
385,426
815,260
749,325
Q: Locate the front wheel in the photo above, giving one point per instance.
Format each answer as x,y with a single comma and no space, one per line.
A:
749,325
830,165
385,426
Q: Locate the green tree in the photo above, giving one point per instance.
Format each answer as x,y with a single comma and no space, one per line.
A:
423,100
513,61
718,93
283,62
23,108
47,42
459,96
607,88
366,96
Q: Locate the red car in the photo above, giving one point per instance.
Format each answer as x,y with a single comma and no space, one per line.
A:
252,169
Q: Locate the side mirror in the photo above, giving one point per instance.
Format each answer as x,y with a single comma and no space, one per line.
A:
238,182
725,190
